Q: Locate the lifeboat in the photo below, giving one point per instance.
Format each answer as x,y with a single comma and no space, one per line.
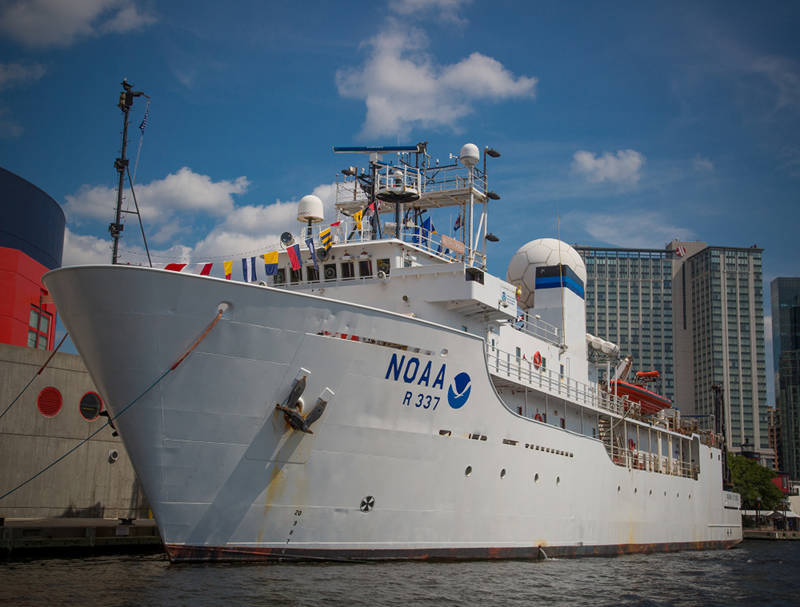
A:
650,401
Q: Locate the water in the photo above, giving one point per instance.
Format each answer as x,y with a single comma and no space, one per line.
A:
755,573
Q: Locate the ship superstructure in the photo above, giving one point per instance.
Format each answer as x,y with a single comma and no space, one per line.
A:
382,395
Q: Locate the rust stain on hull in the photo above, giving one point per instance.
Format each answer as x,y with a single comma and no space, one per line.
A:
182,553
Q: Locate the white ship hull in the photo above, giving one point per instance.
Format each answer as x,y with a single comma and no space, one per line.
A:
384,474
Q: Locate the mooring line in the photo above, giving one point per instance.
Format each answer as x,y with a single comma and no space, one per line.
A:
122,411
38,373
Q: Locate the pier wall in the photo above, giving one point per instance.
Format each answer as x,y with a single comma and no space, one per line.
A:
97,480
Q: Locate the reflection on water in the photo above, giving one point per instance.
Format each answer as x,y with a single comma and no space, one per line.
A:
755,573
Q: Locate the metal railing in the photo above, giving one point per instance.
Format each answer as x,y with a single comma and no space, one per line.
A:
535,326
524,371
520,370
651,462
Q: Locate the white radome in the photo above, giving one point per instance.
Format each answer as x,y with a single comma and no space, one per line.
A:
538,253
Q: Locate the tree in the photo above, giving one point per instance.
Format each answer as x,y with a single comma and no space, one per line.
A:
754,483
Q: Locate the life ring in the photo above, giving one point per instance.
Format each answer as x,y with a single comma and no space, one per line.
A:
537,360
631,444
538,417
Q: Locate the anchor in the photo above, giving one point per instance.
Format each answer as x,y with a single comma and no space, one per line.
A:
293,417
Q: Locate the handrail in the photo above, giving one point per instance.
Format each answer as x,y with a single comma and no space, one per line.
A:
524,371
507,365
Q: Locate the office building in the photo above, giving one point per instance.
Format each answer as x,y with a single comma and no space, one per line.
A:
719,339
629,302
785,296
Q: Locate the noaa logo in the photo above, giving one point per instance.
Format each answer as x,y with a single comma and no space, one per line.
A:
458,393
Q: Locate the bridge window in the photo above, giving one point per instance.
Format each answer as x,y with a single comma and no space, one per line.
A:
365,267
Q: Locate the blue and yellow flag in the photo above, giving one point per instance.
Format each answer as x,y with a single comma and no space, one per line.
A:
325,238
271,263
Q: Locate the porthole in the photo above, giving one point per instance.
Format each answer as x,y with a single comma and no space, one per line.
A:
635,490
558,480
665,494
503,473
536,478
651,492
619,488
49,402
467,470
90,406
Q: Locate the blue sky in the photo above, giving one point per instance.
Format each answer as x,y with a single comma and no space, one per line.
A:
633,122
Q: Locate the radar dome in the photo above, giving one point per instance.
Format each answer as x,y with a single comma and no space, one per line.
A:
310,209
540,253
469,155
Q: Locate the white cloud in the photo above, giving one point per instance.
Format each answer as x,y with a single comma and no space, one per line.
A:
127,19
636,229
9,128
44,23
623,167
80,250
160,200
789,160
12,74
403,87
446,10
702,165
250,229
242,231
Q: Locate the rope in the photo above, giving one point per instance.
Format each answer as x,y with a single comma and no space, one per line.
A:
122,411
38,373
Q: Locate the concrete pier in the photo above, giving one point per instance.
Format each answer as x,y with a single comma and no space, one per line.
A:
49,537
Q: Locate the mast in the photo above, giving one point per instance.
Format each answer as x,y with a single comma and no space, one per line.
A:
121,163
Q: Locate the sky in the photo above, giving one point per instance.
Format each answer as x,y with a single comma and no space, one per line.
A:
620,124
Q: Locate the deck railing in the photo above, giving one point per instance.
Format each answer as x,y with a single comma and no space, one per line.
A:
523,371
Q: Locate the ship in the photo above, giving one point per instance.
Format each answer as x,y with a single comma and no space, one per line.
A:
375,393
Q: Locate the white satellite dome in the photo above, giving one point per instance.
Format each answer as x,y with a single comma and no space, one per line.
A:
469,155
310,209
540,253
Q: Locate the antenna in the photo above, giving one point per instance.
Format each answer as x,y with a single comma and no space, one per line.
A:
121,164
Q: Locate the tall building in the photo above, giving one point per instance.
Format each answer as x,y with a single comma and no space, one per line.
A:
695,313
719,339
785,295
629,302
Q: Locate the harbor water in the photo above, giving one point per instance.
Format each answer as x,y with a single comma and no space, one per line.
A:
754,573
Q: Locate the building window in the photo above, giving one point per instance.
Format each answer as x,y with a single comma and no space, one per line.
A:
280,276
38,328
90,406
312,274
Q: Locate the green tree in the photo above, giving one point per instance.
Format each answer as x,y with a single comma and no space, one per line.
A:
754,483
